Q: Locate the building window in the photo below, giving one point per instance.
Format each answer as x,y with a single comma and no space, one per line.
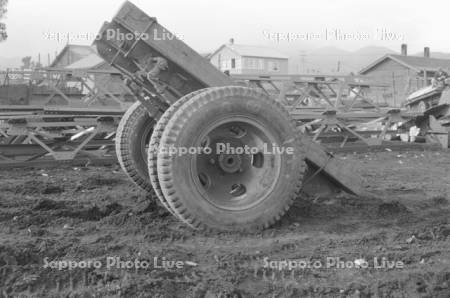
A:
260,64
274,66
254,63
224,65
233,63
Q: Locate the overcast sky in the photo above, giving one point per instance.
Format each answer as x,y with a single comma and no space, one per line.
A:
206,24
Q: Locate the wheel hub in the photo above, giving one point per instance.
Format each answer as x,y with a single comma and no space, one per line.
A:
230,163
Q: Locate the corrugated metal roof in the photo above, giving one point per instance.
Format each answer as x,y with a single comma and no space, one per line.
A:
81,49
74,50
91,61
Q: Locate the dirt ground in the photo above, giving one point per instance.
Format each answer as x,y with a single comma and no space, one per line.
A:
87,215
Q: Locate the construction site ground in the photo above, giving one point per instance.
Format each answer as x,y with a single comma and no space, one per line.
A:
92,213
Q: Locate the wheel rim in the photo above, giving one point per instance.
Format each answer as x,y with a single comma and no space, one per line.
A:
239,171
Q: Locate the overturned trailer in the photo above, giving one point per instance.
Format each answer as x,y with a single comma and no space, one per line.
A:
433,102
433,96
185,102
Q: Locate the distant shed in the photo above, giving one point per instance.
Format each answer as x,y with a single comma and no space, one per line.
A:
83,57
71,54
404,73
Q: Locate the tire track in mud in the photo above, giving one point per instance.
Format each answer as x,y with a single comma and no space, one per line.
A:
95,213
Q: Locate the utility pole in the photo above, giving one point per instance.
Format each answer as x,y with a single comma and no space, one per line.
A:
393,89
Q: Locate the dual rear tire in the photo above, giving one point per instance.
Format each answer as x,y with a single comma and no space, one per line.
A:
132,137
226,158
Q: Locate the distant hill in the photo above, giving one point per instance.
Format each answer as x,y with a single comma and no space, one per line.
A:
321,60
329,59
439,55
14,62
333,60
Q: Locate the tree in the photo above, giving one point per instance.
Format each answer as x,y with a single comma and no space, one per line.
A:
3,34
26,62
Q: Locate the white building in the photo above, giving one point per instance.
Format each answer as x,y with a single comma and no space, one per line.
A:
244,59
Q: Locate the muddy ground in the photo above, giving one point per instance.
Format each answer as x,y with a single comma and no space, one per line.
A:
90,214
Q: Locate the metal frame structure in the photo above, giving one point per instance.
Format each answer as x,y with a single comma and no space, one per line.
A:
31,135
56,135
57,82
80,127
335,104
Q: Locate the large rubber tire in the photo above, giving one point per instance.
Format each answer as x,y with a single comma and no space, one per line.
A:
152,155
133,133
257,207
